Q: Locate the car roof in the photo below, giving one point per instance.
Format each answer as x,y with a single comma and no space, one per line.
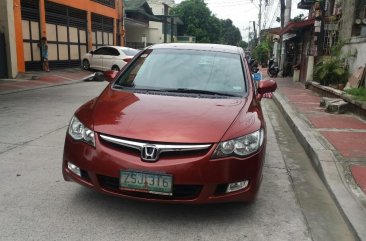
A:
117,47
198,46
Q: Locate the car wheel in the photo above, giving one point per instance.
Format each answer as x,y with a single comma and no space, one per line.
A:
86,64
115,68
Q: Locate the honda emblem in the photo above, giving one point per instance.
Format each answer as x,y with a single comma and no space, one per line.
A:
149,153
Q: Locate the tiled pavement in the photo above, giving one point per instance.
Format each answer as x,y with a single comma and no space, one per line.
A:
335,142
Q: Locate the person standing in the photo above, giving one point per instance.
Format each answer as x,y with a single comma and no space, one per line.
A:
44,54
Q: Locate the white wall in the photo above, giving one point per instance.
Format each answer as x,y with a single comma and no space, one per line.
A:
156,28
357,47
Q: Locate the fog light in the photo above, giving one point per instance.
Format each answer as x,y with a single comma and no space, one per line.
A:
236,186
74,169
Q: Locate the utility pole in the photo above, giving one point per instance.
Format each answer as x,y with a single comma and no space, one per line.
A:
285,19
255,31
260,21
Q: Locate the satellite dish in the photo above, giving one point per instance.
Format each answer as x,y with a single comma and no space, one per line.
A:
364,21
358,21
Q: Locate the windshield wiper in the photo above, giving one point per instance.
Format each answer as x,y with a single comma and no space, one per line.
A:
204,92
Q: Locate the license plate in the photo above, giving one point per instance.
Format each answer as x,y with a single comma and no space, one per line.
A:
157,183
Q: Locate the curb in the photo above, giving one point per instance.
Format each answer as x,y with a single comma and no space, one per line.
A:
326,164
47,85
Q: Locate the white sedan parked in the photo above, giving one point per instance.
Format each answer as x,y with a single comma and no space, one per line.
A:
108,58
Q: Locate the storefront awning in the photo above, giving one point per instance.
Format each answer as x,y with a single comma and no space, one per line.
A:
293,26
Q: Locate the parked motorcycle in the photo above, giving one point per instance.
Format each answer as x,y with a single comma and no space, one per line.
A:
253,64
273,69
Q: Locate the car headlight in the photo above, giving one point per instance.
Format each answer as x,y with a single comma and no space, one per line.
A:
241,146
78,131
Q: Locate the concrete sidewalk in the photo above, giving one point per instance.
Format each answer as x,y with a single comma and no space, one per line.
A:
40,79
335,143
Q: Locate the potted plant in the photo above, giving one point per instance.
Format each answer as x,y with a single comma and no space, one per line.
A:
332,70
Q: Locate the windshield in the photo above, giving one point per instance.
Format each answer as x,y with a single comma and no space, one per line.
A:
169,69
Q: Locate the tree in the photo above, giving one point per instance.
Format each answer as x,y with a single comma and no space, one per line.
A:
230,34
243,44
262,51
199,21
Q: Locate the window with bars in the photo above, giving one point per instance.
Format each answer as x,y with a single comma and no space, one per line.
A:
109,3
330,39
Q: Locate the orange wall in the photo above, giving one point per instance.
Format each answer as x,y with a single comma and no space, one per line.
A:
86,5
91,6
19,36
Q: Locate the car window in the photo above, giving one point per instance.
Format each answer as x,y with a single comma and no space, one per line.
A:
130,52
101,51
113,51
186,69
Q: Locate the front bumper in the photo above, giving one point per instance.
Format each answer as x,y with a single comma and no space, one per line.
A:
197,178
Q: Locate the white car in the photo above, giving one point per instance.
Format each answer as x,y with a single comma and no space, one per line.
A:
108,58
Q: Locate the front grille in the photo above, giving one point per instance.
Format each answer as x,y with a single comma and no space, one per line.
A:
180,192
166,150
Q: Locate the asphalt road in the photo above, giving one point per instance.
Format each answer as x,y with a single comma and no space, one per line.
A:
37,204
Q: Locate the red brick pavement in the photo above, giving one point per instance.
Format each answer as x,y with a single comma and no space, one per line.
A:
358,173
41,79
345,132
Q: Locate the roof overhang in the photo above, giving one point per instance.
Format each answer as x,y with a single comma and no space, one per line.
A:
176,19
294,26
150,17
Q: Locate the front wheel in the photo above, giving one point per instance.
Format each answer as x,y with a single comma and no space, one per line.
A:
86,64
115,68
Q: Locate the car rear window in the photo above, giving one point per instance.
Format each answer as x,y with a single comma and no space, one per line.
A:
186,69
130,52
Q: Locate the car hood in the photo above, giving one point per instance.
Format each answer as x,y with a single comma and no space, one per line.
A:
162,118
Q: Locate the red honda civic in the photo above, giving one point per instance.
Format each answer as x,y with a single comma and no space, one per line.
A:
181,123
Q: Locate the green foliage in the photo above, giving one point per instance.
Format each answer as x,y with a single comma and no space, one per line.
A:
358,93
198,21
331,70
298,18
262,51
243,44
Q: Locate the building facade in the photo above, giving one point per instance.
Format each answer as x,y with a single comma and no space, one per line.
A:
166,30
71,27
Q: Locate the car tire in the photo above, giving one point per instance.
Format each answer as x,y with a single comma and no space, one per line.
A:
115,68
86,64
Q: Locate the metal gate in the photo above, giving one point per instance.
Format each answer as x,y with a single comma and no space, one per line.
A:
102,30
31,34
66,34
3,60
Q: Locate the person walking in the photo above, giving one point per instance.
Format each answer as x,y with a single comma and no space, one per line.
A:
44,54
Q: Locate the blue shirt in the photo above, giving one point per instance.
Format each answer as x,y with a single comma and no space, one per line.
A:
44,50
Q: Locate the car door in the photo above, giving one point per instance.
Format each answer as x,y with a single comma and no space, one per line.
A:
96,60
110,58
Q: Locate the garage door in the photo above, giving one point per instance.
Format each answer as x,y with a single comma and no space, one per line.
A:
102,30
66,34
31,34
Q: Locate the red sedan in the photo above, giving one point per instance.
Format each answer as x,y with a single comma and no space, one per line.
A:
180,123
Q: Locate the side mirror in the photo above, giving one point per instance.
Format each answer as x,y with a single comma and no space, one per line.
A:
92,52
266,86
109,75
